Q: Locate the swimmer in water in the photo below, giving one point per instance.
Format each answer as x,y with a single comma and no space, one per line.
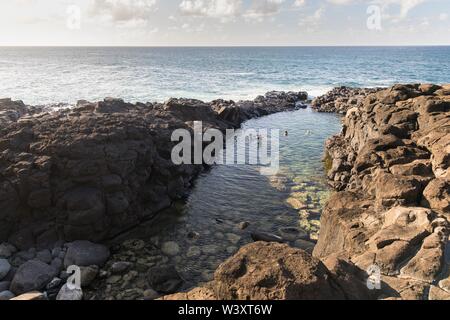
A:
286,133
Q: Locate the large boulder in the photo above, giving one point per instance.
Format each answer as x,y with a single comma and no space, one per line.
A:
271,271
32,275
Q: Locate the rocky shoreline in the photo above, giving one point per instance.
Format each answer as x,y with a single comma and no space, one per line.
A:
390,212
92,172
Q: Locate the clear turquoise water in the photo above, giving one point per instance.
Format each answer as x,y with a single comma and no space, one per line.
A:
228,195
49,75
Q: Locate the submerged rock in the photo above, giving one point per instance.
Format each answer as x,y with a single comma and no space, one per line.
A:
164,279
266,237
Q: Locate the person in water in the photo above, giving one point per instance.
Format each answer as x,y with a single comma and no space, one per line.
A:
286,133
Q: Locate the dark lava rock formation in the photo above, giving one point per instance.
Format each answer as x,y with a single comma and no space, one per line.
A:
94,170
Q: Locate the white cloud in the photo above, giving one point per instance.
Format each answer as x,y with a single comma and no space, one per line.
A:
312,21
263,8
130,12
211,8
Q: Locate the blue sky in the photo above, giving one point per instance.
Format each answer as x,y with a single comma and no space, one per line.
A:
224,22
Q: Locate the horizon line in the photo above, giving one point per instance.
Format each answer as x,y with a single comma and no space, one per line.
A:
225,46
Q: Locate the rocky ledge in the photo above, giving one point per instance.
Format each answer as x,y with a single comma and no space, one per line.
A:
340,99
390,213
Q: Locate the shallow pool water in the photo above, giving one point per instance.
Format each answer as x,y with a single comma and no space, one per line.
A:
204,232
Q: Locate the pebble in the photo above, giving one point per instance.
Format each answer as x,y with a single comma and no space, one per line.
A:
193,252
233,238
192,235
120,267
244,225
210,249
113,279
170,248
266,237
88,275
292,234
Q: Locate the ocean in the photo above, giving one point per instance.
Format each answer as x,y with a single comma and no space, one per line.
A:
67,74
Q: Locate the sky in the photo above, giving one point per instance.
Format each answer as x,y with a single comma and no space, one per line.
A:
224,22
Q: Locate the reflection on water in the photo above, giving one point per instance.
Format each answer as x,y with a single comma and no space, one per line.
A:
206,231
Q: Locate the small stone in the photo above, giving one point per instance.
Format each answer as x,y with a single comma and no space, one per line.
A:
232,250
88,275
266,237
134,244
164,279
233,238
4,268
120,267
6,295
210,249
54,284
113,279
192,235
193,252
243,225
292,234
70,294
170,248
296,204
151,294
